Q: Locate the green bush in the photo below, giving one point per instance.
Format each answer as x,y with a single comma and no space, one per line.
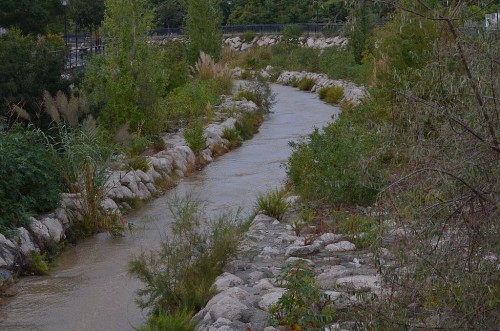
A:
194,136
233,136
138,163
322,92
334,94
291,34
259,91
29,181
179,276
248,36
306,84
339,164
248,124
179,321
138,145
29,66
303,306
246,75
273,203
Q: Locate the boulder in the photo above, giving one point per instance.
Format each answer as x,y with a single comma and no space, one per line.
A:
110,205
228,308
39,231
163,164
8,252
271,298
341,246
55,228
328,279
227,280
26,243
299,251
360,282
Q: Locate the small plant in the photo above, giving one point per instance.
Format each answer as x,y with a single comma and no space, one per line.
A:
306,84
233,136
303,306
334,94
37,264
248,36
157,143
138,145
291,34
294,82
194,136
138,163
246,75
249,124
322,92
273,204
260,92
178,321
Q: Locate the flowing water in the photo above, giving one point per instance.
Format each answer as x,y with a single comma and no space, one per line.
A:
90,288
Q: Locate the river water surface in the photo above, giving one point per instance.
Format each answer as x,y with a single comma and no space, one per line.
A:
90,288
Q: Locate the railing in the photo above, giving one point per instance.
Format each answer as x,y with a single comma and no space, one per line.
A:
80,56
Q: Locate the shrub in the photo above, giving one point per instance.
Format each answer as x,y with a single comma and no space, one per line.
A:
138,163
249,124
259,91
194,136
29,182
179,321
306,84
322,92
334,94
246,75
138,145
233,136
273,203
179,276
303,306
291,34
248,36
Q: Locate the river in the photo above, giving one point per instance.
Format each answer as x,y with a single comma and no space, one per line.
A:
90,289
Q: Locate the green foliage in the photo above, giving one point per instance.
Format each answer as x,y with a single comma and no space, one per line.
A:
179,276
248,124
233,136
192,100
259,91
37,264
268,12
338,164
81,159
178,321
138,163
203,29
169,13
27,68
194,136
306,84
361,30
87,14
332,94
248,36
292,33
273,203
31,17
126,85
358,228
303,306
29,183
138,145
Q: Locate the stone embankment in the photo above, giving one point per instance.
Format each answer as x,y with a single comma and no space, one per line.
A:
238,43
177,160
249,287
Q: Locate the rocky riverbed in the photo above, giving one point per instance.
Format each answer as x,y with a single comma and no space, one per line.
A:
249,287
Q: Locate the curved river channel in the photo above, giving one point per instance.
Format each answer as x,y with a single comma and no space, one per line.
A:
90,288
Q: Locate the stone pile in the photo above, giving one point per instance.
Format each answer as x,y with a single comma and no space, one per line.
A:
352,93
177,160
238,43
249,286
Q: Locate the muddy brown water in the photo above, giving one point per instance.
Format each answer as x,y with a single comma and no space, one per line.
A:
90,289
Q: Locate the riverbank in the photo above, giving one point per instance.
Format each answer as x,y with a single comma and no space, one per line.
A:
125,189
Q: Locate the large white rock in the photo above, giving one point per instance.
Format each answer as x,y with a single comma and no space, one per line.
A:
330,238
144,177
233,292
360,282
39,231
271,298
328,279
341,246
163,163
228,308
299,251
110,205
131,181
55,228
7,252
26,244
227,280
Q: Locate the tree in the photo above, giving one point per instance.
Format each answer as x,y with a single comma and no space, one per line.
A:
203,28
27,68
126,84
87,14
169,13
30,16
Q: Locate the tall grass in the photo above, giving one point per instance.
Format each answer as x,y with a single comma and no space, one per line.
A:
178,277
